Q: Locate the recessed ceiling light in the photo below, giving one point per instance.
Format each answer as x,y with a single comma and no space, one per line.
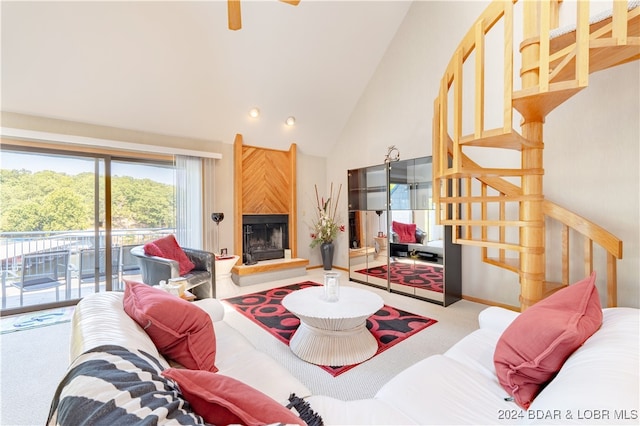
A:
254,112
290,121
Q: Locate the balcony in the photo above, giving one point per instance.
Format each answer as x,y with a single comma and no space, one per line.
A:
84,272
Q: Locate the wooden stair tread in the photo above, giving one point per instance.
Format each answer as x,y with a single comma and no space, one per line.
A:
534,106
497,138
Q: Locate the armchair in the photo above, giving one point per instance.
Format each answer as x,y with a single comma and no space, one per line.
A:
418,237
409,240
200,280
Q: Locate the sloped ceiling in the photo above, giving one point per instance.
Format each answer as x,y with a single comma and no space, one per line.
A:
174,68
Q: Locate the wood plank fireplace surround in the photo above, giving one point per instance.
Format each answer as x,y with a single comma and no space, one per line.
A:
266,207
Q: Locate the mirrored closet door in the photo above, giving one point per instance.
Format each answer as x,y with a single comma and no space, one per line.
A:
368,254
395,242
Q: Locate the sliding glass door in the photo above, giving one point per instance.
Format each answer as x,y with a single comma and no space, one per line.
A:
68,221
52,217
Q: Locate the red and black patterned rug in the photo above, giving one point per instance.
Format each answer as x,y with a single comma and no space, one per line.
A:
389,325
418,275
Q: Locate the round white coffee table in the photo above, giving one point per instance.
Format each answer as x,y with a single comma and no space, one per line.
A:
333,333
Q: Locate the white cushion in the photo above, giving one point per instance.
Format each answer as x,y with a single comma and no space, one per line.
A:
476,350
496,319
229,343
238,358
440,390
602,375
99,319
262,372
359,412
212,306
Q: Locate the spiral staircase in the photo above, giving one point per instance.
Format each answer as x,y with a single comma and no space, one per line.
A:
503,210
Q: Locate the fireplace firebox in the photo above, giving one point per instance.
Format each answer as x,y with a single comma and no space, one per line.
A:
264,237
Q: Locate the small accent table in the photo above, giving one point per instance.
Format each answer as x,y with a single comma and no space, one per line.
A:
333,333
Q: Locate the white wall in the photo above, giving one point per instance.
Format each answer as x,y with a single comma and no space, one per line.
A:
397,105
311,171
591,156
224,197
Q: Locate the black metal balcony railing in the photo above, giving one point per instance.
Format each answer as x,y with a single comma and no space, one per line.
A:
82,277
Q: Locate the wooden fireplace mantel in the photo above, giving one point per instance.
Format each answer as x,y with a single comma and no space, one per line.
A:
264,183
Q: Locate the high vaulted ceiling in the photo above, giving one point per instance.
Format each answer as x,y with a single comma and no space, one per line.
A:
174,68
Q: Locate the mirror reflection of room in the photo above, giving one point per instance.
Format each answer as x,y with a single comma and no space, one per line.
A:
416,242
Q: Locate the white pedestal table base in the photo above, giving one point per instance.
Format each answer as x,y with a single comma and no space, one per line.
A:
333,348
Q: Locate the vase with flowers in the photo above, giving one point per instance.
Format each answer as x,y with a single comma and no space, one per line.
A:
325,226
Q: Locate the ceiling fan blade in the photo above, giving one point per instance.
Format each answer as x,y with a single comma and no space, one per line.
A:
292,2
235,16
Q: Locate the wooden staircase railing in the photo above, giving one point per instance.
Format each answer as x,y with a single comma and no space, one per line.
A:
502,209
590,233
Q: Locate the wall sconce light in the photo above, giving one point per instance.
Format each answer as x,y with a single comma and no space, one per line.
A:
290,121
254,113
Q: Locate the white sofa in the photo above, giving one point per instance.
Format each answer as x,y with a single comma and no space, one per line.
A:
597,384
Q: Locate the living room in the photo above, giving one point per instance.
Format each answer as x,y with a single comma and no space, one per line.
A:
591,166
394,108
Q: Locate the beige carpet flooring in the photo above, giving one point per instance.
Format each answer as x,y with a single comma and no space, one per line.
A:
31,364
33,361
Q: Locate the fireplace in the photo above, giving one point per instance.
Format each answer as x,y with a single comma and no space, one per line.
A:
264,236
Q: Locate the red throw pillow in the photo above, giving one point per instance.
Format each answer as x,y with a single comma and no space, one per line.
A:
406,231
537,343
223,400
180,330
169,248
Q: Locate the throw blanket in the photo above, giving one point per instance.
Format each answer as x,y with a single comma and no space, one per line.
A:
110,385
